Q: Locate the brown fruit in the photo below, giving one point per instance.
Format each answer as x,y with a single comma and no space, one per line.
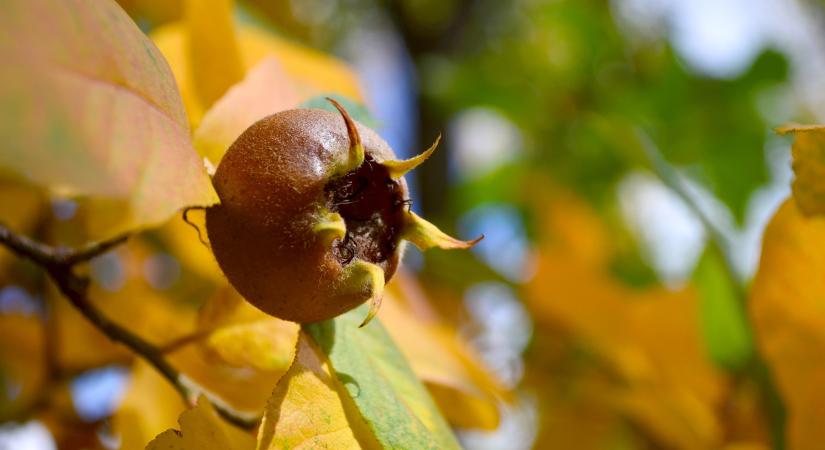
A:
312,215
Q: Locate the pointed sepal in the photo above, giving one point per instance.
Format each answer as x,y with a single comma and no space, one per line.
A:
398,169
360,275
330,226
426,235
356,148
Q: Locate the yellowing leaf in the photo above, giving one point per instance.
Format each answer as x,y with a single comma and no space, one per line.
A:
396,408
202,429
808,153
464,390
88,107
787,304
308,408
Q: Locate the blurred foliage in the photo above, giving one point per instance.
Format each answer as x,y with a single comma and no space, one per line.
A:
613,357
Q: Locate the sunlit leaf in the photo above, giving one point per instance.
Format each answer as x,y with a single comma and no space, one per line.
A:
309,408
88,106
394,404
237,354
241,335
808,153
465,392
787,304
202,429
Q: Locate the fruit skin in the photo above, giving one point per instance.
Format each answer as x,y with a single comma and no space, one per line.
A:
271,183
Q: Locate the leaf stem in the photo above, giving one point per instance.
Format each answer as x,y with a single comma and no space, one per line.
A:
59,263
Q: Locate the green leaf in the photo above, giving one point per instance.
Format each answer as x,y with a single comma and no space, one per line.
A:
89,107
394,404
724,324
355,109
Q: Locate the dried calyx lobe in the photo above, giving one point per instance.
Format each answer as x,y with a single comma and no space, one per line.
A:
372,205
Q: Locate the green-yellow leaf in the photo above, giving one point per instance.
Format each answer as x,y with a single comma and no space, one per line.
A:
202,429
809,167
89,107
396,407
465,392
309,408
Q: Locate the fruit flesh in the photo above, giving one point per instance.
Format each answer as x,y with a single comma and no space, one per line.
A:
372,206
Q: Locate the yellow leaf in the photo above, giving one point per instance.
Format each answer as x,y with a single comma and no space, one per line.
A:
310,72
212,50
634,331
183,242
243,336
202,429
787,304
157,316
238,353
809,166
265,90
22,362
150,406
309,409
465,392
21,206
315,72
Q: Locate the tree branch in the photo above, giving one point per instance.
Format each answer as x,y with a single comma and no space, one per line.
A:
59,263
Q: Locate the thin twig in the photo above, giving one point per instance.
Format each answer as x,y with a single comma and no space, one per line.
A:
59,263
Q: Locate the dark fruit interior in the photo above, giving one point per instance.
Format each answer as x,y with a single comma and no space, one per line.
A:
372,205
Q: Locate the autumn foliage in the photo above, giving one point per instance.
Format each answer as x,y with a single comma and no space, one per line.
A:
111,133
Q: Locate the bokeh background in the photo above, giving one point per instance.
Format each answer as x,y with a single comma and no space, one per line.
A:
619,156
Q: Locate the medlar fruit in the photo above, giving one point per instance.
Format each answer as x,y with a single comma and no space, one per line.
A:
313,215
